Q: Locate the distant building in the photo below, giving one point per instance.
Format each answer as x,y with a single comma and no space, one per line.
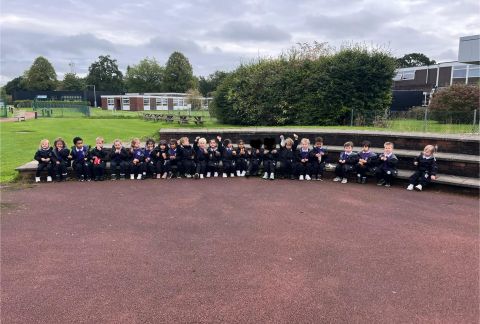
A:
469,49
151,101
440,75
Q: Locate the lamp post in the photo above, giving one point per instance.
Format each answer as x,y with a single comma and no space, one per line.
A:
94,94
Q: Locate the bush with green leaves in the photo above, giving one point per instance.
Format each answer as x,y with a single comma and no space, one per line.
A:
455,104
308,86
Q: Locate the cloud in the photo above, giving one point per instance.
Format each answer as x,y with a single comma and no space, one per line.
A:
219,34
244,31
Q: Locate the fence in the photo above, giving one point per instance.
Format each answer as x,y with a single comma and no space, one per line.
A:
60,109
419,119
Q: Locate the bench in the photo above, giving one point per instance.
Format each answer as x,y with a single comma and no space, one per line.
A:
169,118
19,115
198,120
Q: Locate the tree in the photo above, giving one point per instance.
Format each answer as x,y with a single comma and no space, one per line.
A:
193,98
41,75
209,84
414,59
178,73
105,75
72,82
146,76
17,84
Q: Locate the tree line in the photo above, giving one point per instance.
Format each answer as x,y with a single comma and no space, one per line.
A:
146,76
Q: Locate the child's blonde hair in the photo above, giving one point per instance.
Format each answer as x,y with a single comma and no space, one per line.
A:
99,139
429,148
183,140
202,141
388,144
348,144
305,140
289,142
44,141
134,141
117,141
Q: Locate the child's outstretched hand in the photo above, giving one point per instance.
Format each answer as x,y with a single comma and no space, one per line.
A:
432,177
295,136
282,137
197,138
415,163
219,138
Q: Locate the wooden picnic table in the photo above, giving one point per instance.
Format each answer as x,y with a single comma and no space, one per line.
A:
183,119
198,120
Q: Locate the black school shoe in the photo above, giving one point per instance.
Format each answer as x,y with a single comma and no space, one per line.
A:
381,182
364,180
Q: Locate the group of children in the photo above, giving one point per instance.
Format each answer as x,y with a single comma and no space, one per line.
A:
220,158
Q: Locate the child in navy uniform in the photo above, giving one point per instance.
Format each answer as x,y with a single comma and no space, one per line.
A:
161,153
44,158
426,169
387,166
187,157
241,162
270,158
303,158
173,164
228,158
150,159
318,157
287,156
118,160
214,157
346,163
60,159
366,162
80,159
255,157
98,158
137,158
201,157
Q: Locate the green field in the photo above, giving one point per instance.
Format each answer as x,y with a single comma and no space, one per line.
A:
19,140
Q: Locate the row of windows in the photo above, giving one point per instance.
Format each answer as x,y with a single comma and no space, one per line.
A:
160,102
459,72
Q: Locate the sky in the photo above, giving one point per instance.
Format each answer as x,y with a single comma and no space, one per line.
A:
220,34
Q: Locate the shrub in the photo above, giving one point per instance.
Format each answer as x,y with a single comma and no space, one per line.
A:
455,104
310,86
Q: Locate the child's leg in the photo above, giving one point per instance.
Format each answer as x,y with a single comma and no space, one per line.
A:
339,171
415,177
424,179
321,169
41,166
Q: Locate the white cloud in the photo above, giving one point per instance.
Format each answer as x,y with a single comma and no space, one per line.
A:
216,34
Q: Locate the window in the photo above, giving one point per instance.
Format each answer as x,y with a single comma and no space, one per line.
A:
408,75
110,101
404,75
146,102
460,72
474,71
398,76
126,101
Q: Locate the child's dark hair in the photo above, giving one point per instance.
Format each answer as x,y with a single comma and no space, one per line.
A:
59,139
366,143
77,139
173,141
319,139
162,142
150,141
227,142
241,142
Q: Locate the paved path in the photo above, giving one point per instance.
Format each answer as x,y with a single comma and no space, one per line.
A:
237,251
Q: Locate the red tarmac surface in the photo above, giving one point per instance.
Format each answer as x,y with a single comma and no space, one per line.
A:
237,251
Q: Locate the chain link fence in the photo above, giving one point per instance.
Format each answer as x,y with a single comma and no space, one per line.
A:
419,119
